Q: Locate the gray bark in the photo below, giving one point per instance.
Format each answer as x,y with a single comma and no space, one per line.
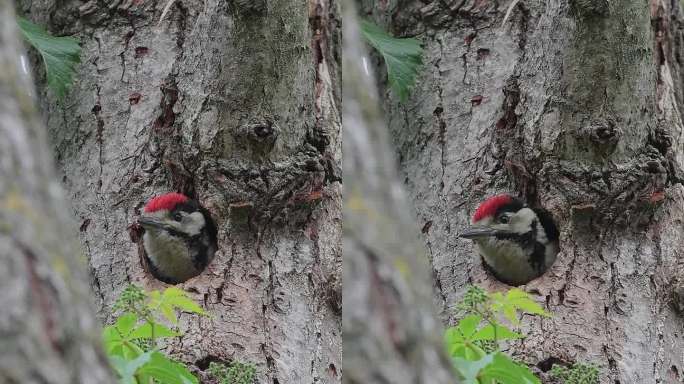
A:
234,103
48,330
391,332
575,106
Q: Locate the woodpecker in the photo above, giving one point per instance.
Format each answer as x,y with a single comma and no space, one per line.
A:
517,243
179,238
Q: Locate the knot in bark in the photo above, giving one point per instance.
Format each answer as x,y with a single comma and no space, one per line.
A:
591,8
251,6
604,133
260,135
661,139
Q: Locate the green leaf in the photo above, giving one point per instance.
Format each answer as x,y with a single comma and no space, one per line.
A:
125,323
180,299
504,370
468,325
511,314
112,340
127,369
455,343
117,337
166,371
495,332
60,55
403,57
461,333
514,301
171,299
458,339
169,313
469,370
145,332
157,304
523,301
119,364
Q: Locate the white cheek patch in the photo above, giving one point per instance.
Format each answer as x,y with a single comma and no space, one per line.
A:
541,234
193,223
521,222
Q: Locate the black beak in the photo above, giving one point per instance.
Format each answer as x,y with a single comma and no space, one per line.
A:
148,222
477,232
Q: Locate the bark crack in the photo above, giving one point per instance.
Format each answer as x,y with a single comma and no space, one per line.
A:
440,119
97,109
319,43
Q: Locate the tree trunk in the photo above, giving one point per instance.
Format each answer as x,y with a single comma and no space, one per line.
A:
576,107
391,333
235,103
48,330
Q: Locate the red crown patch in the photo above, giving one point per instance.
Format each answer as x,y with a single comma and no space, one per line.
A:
490,206
167,202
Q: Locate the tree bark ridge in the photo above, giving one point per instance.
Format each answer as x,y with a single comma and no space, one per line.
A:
390,331
47,323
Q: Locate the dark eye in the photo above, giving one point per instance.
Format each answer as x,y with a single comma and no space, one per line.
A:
177,216
503,219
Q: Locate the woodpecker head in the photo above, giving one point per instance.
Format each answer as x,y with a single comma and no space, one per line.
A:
179,238
517,243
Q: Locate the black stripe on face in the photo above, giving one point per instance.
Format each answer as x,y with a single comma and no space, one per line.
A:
547,223
525,240
191,206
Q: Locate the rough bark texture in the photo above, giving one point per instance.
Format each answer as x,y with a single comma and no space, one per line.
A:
576,106
391,333
48,330
234,103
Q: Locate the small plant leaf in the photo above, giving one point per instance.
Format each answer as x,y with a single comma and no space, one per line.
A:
126,368
495,332
179,299
166,371
459,339
469,370
60,55
117,340
125,323
516,300
403,57
145,332
234,372
522,301
171,299
577,373
468,325
504,370
113,341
